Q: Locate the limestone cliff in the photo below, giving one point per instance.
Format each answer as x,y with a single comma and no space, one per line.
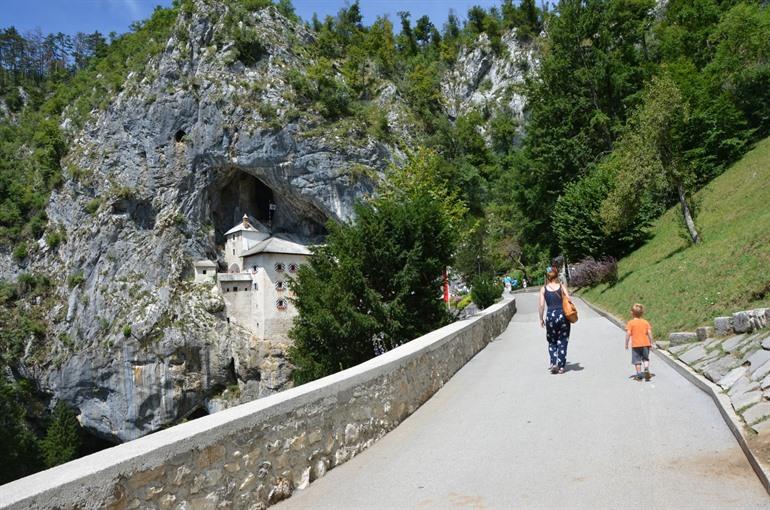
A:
191,143
487,81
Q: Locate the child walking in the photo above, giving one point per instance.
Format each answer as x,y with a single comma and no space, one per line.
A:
639,334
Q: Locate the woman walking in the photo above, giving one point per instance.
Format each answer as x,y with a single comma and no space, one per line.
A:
557,328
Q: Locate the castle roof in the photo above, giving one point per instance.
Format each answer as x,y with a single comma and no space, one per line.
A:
277,245
204,263
249,225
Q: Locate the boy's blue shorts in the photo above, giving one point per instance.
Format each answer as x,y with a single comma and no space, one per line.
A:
639,354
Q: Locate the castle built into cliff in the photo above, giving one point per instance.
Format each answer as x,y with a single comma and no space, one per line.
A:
255,286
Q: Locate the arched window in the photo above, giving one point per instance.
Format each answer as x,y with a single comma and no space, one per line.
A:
281,304
280,285
293,267
235,269
279,267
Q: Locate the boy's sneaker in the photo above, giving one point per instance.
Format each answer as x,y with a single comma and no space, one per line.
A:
639,376
647,375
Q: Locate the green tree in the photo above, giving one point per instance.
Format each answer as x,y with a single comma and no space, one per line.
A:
18,445
592,69
62,439
649,158
376,284
579,226
740,68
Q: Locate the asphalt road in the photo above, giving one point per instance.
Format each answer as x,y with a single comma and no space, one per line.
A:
505,433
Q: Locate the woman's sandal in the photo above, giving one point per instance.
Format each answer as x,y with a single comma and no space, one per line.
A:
561,370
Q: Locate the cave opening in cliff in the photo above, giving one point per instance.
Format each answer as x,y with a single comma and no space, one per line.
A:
240,194
237,192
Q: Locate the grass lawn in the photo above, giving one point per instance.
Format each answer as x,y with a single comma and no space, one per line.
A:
683,286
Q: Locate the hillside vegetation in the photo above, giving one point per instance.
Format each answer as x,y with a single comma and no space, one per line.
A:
684,286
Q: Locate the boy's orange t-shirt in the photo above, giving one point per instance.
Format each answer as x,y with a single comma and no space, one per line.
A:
638,329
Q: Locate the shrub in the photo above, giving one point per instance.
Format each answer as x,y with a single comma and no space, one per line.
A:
20,251
127,330
75,279
54,239
463,302
250,49
485,291
93,205
589,272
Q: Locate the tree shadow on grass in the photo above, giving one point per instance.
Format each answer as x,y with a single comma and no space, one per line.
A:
671,254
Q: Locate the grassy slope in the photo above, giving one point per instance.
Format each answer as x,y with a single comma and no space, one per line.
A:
683,287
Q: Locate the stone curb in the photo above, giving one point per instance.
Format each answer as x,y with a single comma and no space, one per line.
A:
721,400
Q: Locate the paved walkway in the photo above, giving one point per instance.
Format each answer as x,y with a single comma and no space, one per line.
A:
504,433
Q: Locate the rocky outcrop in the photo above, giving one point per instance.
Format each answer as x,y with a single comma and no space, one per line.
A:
194,140
490,82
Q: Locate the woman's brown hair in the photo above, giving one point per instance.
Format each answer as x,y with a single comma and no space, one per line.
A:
552,274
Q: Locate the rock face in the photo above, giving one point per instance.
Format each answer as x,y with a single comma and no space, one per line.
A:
193,141
480,79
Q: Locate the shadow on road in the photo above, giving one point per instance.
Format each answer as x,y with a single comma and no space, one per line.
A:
573,367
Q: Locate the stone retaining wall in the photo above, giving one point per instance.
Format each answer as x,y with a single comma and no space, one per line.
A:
735,355
256,454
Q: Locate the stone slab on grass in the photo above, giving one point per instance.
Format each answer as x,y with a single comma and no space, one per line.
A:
692,355
748,346
723,325
744,400
704,333
713,343
676,350
710,357
766,342
720,367
757,412
757,358
732,343
760,372
682,337
742,385
742,322
765,383
732,376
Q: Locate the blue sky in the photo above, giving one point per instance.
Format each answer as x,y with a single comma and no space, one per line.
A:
70,16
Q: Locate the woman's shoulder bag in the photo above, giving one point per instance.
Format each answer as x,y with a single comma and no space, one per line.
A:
570,312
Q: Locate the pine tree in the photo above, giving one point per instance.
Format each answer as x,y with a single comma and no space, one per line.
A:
62,439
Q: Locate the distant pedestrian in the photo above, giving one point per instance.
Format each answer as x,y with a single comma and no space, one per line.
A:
639,335
524,282
557,327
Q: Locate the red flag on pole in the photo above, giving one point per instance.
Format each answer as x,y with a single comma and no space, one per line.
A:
446,288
